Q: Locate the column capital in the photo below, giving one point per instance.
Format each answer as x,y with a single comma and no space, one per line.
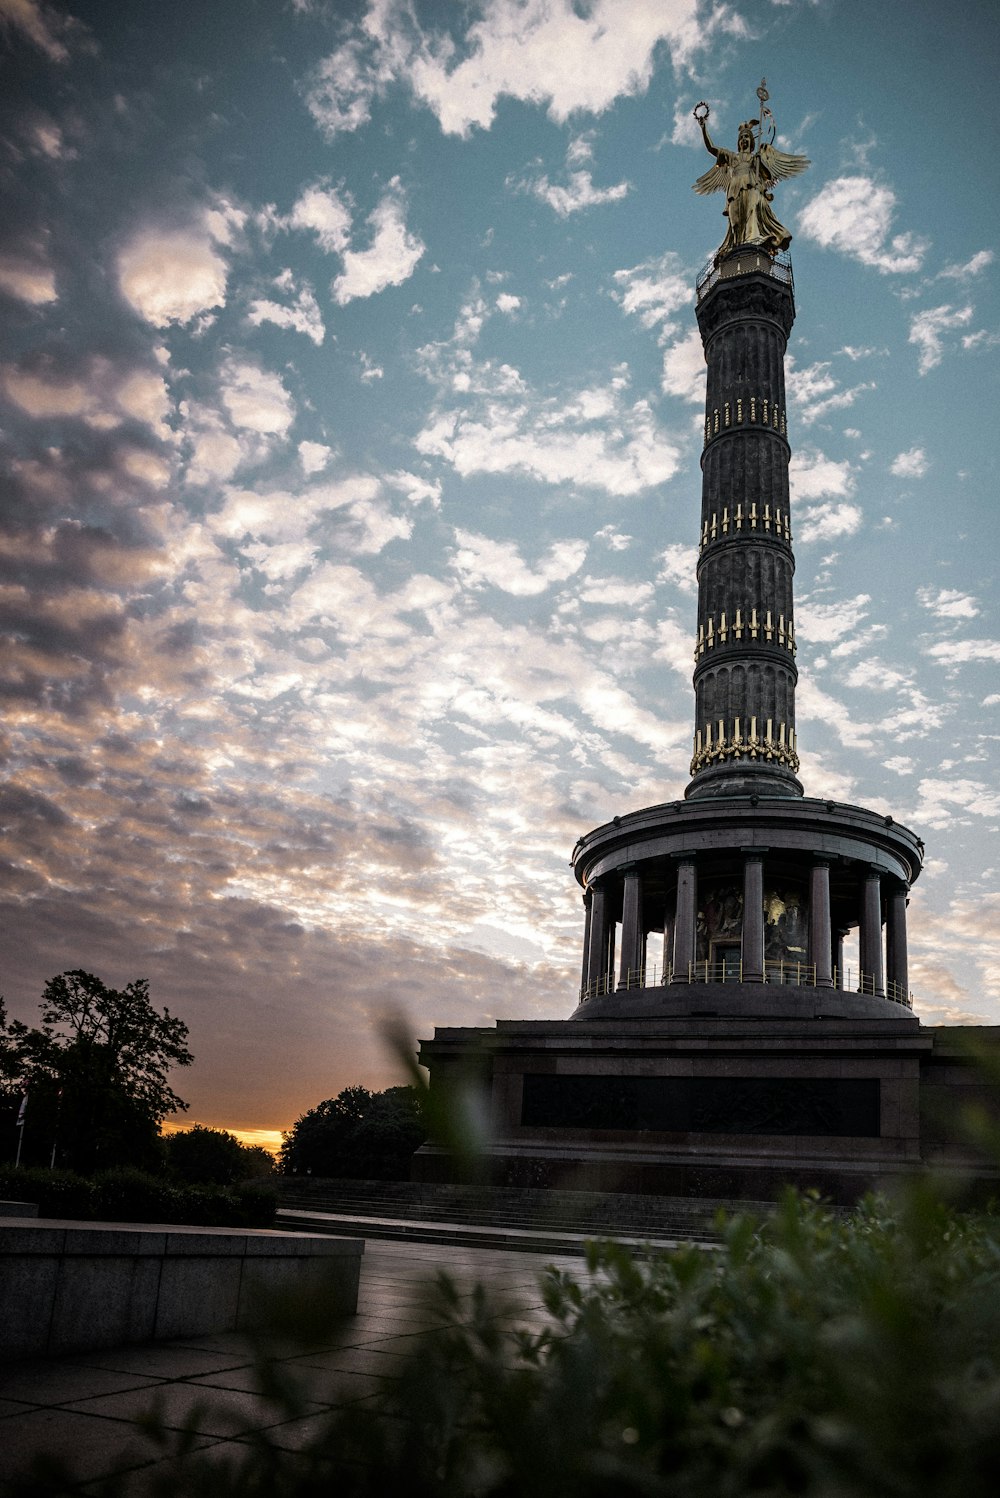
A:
755,852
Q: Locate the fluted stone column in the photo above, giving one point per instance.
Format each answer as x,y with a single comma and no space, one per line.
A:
588,900
820,930
752,950
895,941
839,937
668,946
686,920
870,947
599,933
632,932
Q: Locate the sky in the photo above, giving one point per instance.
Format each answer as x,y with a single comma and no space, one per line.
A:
350,407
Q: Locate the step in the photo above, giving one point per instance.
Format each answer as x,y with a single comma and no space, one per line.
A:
523,1240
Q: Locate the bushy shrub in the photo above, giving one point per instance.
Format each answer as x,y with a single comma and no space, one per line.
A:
808,1356
128,1195
56,1193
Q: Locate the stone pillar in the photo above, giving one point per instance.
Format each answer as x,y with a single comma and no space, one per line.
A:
840,935
686,919
597,966
668,945
870,945
609,953
820,929
895,942
588,900
753,915
632,932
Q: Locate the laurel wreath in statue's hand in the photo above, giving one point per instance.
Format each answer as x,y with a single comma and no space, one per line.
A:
701,118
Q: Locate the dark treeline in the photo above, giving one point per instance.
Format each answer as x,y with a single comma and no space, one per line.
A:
358,1134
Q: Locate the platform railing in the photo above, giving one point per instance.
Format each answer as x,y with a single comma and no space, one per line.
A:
746,260
776,970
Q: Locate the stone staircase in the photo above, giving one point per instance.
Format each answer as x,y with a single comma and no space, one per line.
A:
534,1220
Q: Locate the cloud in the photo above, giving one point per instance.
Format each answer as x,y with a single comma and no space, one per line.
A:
417,489
315,456
816,391
825,622
579,191
927,327
321,209
874,675
593,439
98,392
302,315
174,274
282,534
909,465
40,24
508,303
812,475
543,52
827,522
614,539
684,368
963,652
678,564
28,279
854,215
948,603
390,259
654,290
938,800
478,560
980,260
255,399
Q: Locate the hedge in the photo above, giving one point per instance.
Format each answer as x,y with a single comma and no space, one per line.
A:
128,1195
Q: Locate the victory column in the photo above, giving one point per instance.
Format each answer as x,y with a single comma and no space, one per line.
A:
721,1045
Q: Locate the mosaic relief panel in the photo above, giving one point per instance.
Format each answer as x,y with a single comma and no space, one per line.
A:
720,918
785,926
720,923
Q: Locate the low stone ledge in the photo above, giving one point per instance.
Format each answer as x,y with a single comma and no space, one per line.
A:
73,1287
18,1209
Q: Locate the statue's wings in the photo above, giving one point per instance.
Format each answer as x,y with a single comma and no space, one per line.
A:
716,179
780,164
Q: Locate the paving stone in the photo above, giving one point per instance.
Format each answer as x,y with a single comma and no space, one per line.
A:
184,1406
380,1365
159,1360
59,1382
91,1447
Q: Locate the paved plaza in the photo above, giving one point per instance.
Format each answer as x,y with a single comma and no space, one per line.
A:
84,1408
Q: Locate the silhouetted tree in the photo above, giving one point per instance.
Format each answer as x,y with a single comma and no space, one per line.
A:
96,1072
358,1134
204,1156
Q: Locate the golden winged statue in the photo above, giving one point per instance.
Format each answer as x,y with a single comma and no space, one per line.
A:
747,176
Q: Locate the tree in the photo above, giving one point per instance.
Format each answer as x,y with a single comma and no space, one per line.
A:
358,1134
96,1071
200,1156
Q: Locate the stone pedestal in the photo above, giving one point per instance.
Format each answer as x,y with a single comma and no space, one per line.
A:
733,1107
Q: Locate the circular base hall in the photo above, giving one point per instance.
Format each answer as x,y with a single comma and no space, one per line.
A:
742,905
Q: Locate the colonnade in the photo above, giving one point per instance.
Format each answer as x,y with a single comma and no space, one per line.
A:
826,942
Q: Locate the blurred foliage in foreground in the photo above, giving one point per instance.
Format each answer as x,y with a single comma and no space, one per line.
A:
811,1354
